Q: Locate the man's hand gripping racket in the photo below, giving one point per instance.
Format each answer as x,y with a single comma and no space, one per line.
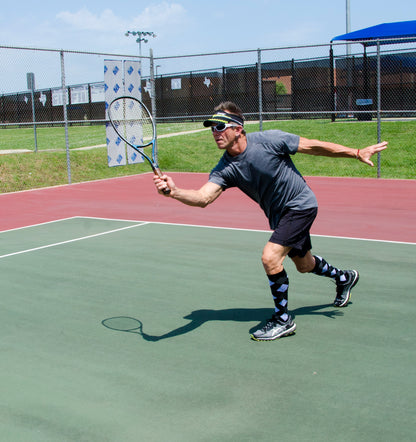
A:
134,124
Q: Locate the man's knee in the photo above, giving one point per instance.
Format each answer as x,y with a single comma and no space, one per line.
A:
273,256
268,259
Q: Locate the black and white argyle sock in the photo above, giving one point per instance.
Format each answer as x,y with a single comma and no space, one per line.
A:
323,268
279,286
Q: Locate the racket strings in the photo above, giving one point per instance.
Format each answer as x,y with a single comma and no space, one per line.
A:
132,121
137,131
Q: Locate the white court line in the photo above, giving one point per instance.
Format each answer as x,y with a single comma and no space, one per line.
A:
199,225
252,230
71,240
44,224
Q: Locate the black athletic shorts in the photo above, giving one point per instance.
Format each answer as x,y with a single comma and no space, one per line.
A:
293,231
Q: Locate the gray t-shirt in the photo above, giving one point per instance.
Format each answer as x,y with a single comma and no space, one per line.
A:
265,172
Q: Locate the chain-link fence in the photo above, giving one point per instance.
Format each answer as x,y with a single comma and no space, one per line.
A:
53,111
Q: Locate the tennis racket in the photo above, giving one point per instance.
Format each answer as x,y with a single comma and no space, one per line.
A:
134,124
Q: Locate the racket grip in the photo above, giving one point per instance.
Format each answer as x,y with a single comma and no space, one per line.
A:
158,172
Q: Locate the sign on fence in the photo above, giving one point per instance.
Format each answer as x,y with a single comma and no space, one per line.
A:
121,78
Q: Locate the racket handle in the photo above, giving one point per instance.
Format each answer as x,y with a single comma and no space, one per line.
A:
158,172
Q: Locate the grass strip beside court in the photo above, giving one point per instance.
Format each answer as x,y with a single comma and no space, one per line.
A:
193,152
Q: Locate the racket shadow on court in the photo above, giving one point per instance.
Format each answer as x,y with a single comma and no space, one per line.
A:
199,317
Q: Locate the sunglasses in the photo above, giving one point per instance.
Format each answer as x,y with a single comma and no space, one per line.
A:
220,127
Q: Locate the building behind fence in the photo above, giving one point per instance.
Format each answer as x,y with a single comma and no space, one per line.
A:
52,87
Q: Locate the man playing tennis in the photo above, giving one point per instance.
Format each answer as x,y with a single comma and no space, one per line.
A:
259,164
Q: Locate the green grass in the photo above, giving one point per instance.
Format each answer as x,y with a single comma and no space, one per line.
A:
51,138
194,152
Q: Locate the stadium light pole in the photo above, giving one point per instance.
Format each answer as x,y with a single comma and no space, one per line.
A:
348,22
348,51
142,36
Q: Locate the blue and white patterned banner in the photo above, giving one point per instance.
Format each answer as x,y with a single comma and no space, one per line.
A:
132,81
120,78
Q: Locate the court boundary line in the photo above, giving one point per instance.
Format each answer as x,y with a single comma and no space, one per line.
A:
251,230
44,223
48,246
202,226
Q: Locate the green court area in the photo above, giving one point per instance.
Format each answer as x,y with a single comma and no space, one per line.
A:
127,331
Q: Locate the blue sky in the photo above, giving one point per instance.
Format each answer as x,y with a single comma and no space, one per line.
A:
188,26
182,27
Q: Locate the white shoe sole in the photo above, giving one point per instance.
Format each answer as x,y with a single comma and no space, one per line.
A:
288,332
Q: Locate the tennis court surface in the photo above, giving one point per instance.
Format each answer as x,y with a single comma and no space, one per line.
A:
126,316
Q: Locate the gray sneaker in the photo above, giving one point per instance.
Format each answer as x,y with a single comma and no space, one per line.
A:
274,329
344,288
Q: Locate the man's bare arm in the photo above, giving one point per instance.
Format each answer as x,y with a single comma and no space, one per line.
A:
202,197
325,148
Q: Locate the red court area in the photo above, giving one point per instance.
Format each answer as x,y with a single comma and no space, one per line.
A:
348,207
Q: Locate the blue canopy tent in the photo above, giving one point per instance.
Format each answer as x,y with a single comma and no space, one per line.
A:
382,34
385,33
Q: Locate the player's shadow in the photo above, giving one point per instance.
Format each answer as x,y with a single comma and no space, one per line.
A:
199,317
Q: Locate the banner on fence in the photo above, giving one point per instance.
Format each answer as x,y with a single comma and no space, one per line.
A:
121,78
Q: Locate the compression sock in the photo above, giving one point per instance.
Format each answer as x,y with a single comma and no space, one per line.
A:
279,286
323,268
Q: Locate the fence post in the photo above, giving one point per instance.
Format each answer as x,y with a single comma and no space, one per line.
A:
64,104
191,95
153,94
31,86
332,82
260,89
224,84
293,87
152,84
378,108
